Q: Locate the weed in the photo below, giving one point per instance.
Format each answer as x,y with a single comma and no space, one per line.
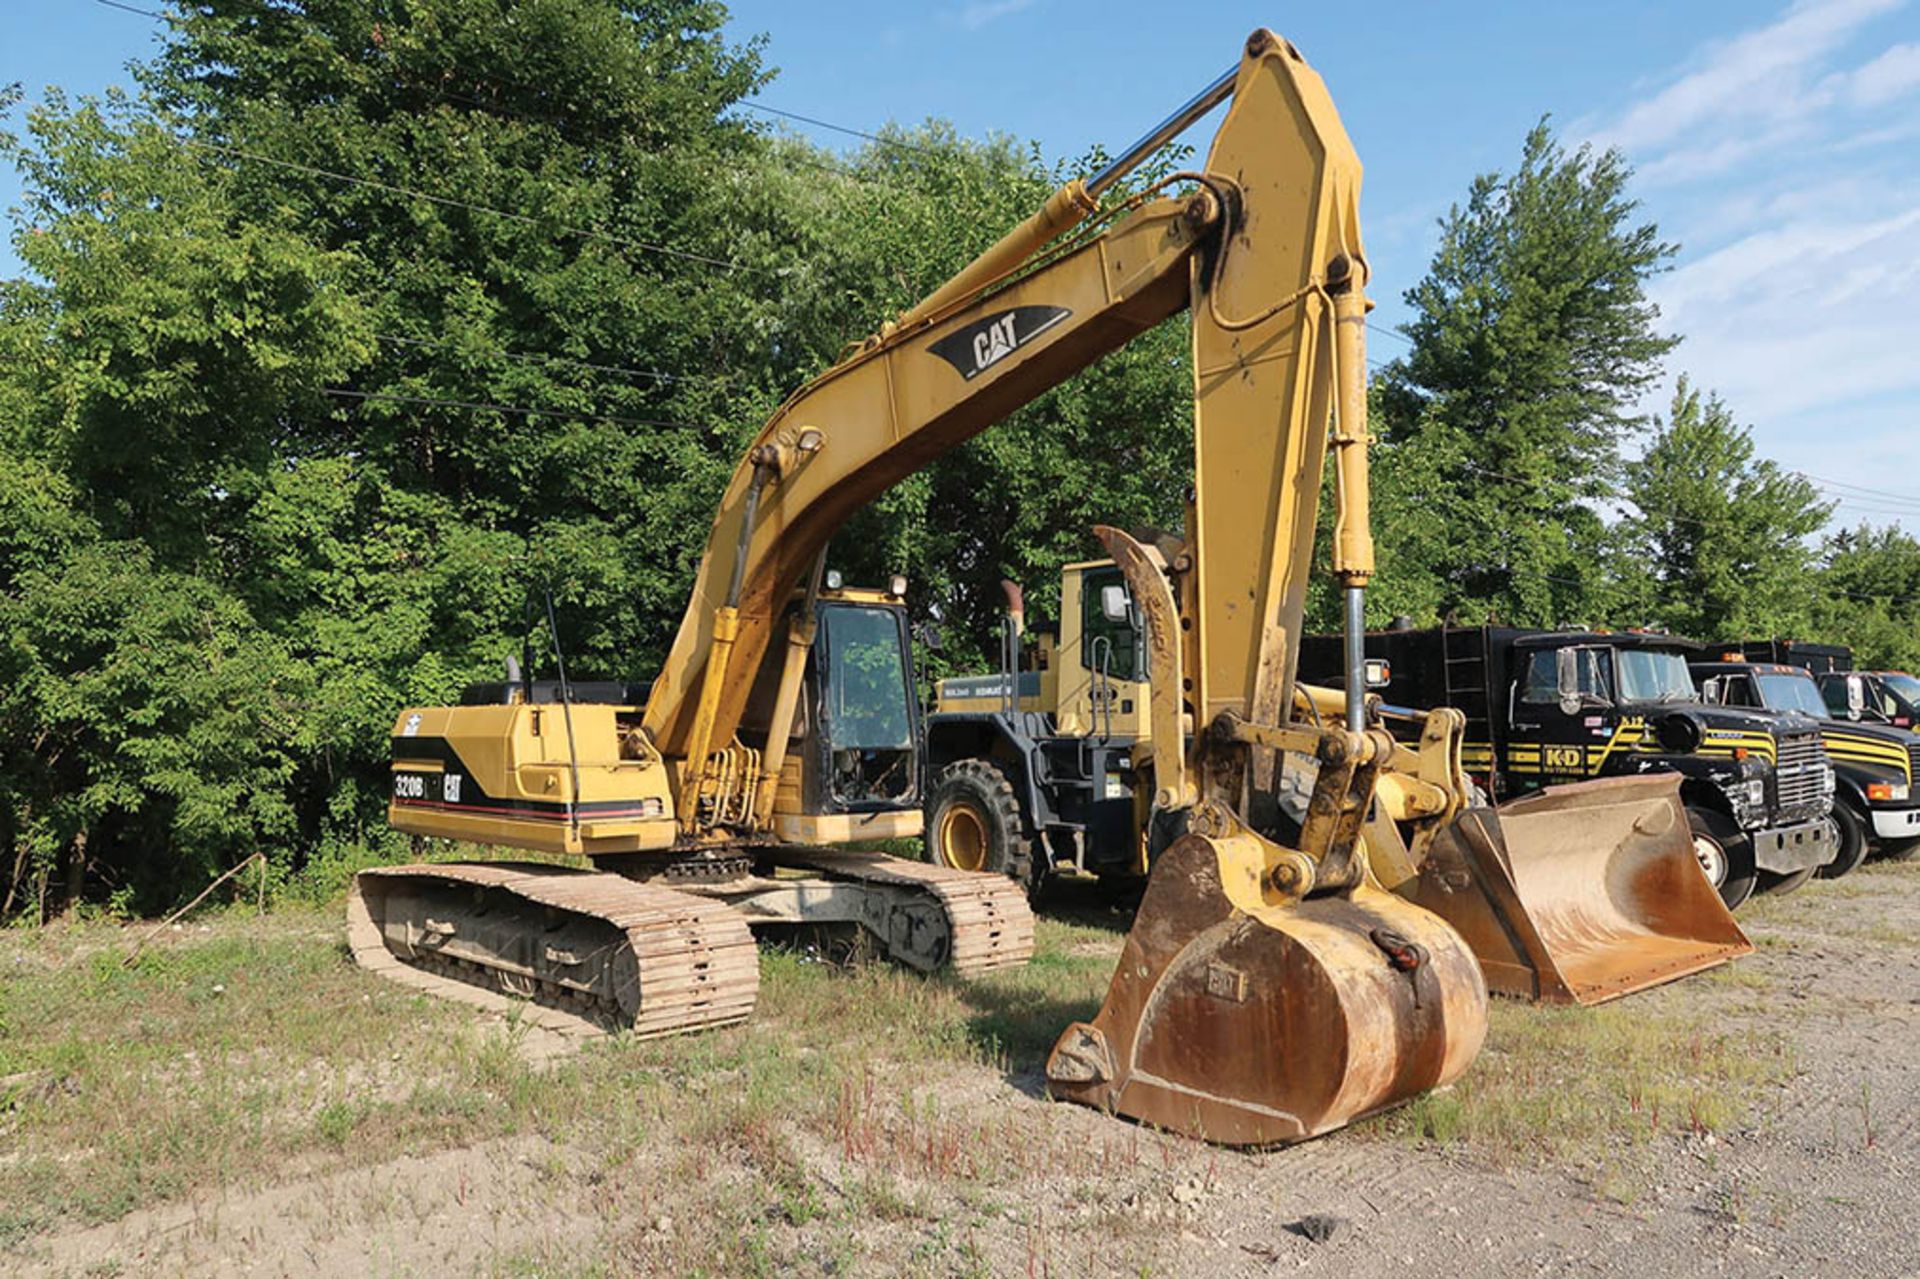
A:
1573,1085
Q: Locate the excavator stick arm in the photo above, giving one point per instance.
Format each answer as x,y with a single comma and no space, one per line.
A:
1268,991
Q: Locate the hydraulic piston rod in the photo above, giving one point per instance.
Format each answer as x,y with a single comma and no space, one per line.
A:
1164,132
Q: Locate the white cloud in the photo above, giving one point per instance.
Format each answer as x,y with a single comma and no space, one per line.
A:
1757,75
1774,158
1892,75
980,13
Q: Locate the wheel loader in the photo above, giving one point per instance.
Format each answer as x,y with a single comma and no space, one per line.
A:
1269,990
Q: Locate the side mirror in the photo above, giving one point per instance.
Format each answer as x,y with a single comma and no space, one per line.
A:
1710,691
1856,696
1114,604
929,636
1379,673
1566,674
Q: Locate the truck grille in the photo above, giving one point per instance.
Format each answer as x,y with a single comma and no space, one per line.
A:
1798,774
1913,762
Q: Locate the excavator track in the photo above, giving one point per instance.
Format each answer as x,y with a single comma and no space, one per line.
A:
580,952
990,925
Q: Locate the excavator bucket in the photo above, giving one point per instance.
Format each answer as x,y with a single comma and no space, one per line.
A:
1580,893
1272,1024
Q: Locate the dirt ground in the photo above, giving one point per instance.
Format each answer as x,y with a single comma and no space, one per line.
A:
1815,1171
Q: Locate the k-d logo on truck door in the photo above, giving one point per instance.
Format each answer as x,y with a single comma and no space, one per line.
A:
985,343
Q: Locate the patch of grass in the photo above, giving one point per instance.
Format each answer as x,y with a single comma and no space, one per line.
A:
237,1051
1583,1086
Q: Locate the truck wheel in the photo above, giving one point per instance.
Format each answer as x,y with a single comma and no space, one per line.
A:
1899,850
1853,842
973,822
1724,855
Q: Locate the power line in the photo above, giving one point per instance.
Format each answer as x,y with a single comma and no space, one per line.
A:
449,201
837,128
528,358
1859,488
147,13
1677,517
521,410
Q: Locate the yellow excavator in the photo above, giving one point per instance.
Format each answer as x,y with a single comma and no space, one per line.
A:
1270,989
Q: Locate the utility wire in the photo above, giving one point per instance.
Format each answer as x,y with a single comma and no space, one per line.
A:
837,128
521,410
1677,517
449,201
1823,482
148,13
528,358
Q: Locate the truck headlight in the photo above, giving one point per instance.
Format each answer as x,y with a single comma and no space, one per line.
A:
1886,792
1757,792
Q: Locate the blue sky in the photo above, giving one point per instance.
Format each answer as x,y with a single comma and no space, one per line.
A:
1778,143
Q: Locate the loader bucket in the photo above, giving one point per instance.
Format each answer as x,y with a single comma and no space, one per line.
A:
1270,1025
1580,893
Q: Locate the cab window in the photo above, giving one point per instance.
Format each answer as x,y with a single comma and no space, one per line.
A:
1109,643
1737,690
1543,678
1835,693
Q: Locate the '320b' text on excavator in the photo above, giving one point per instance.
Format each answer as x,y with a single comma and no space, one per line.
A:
1269,989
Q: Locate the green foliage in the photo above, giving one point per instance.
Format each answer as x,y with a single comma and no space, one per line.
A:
358,320
1533,340
1869,597
1719,542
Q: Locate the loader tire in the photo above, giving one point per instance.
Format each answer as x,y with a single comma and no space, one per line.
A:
974,822
1899,850
1725,855
1853,842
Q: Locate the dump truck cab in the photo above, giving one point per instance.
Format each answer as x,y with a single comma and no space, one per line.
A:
1873,764
1032,767
1873,697
1547,708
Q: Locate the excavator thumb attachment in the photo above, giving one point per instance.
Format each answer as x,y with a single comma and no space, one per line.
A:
1271,1023
1580,893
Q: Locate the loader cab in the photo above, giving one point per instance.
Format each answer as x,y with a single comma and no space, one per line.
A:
1101,656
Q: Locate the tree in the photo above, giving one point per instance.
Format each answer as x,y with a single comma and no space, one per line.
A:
1720,538
1868,596
361,319
1533,342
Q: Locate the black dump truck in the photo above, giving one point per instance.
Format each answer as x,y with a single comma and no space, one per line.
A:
1872,697
1546,707
1874,805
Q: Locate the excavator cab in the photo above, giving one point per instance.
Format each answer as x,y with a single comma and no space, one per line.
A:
862,748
